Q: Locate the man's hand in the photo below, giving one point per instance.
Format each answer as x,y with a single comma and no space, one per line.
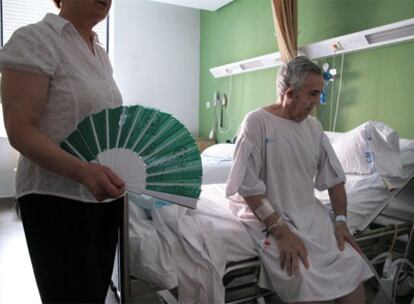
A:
101,181
343,235
291,249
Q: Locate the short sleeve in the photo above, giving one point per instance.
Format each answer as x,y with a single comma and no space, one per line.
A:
246,173
29,49
330,172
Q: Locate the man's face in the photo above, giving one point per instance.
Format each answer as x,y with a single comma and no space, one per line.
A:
303,101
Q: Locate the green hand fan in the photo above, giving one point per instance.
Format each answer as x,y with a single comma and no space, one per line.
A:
151,151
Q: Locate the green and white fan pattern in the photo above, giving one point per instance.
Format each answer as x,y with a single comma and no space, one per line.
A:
150,150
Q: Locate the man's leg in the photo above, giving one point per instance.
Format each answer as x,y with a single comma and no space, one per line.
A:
355,297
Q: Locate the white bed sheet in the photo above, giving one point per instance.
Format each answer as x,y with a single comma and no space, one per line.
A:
212,216
211,235
188,247
214,205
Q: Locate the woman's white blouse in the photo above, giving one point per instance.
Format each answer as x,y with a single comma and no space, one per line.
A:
80,84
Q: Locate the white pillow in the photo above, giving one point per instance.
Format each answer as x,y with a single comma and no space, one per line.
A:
407,151
370,147
333,136
220,151
215,171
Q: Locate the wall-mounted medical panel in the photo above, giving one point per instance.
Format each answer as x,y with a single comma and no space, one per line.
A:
397,32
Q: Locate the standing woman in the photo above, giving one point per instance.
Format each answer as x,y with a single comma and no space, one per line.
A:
55,73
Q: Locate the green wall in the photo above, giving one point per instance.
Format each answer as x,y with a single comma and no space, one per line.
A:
376,83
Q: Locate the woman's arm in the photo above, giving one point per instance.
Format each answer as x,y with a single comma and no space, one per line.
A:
24,96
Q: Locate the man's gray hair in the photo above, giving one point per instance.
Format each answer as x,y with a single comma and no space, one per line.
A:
293,73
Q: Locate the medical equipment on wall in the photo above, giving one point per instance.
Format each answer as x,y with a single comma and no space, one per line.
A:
380,36
330,76
222,112
212,133
221,121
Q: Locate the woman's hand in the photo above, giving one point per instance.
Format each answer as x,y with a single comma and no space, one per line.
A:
291,249
343,235
101,181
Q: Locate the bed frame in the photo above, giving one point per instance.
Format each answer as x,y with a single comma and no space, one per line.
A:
240,279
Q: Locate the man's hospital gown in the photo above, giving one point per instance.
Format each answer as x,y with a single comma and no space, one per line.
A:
284,161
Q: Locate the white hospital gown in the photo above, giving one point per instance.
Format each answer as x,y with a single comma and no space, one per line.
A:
285,160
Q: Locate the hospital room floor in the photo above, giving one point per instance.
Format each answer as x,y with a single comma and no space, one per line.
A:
17,282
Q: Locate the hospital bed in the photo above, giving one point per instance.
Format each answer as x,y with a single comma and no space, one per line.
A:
223,241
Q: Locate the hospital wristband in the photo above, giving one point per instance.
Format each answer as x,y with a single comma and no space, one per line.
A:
280,222
264,210
340,218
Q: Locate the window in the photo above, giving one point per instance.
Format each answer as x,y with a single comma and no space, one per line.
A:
18,13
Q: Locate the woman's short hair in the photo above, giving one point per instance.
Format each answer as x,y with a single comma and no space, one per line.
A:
293,73
57,3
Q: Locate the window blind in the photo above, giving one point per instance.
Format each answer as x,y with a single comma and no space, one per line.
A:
18,13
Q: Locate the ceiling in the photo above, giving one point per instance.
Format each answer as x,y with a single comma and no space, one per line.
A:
210,5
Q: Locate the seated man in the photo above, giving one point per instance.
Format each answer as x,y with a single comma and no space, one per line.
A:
281,155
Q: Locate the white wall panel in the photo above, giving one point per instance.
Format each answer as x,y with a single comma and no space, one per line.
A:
156,57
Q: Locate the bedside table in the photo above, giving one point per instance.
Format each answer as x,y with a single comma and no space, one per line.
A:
204,143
